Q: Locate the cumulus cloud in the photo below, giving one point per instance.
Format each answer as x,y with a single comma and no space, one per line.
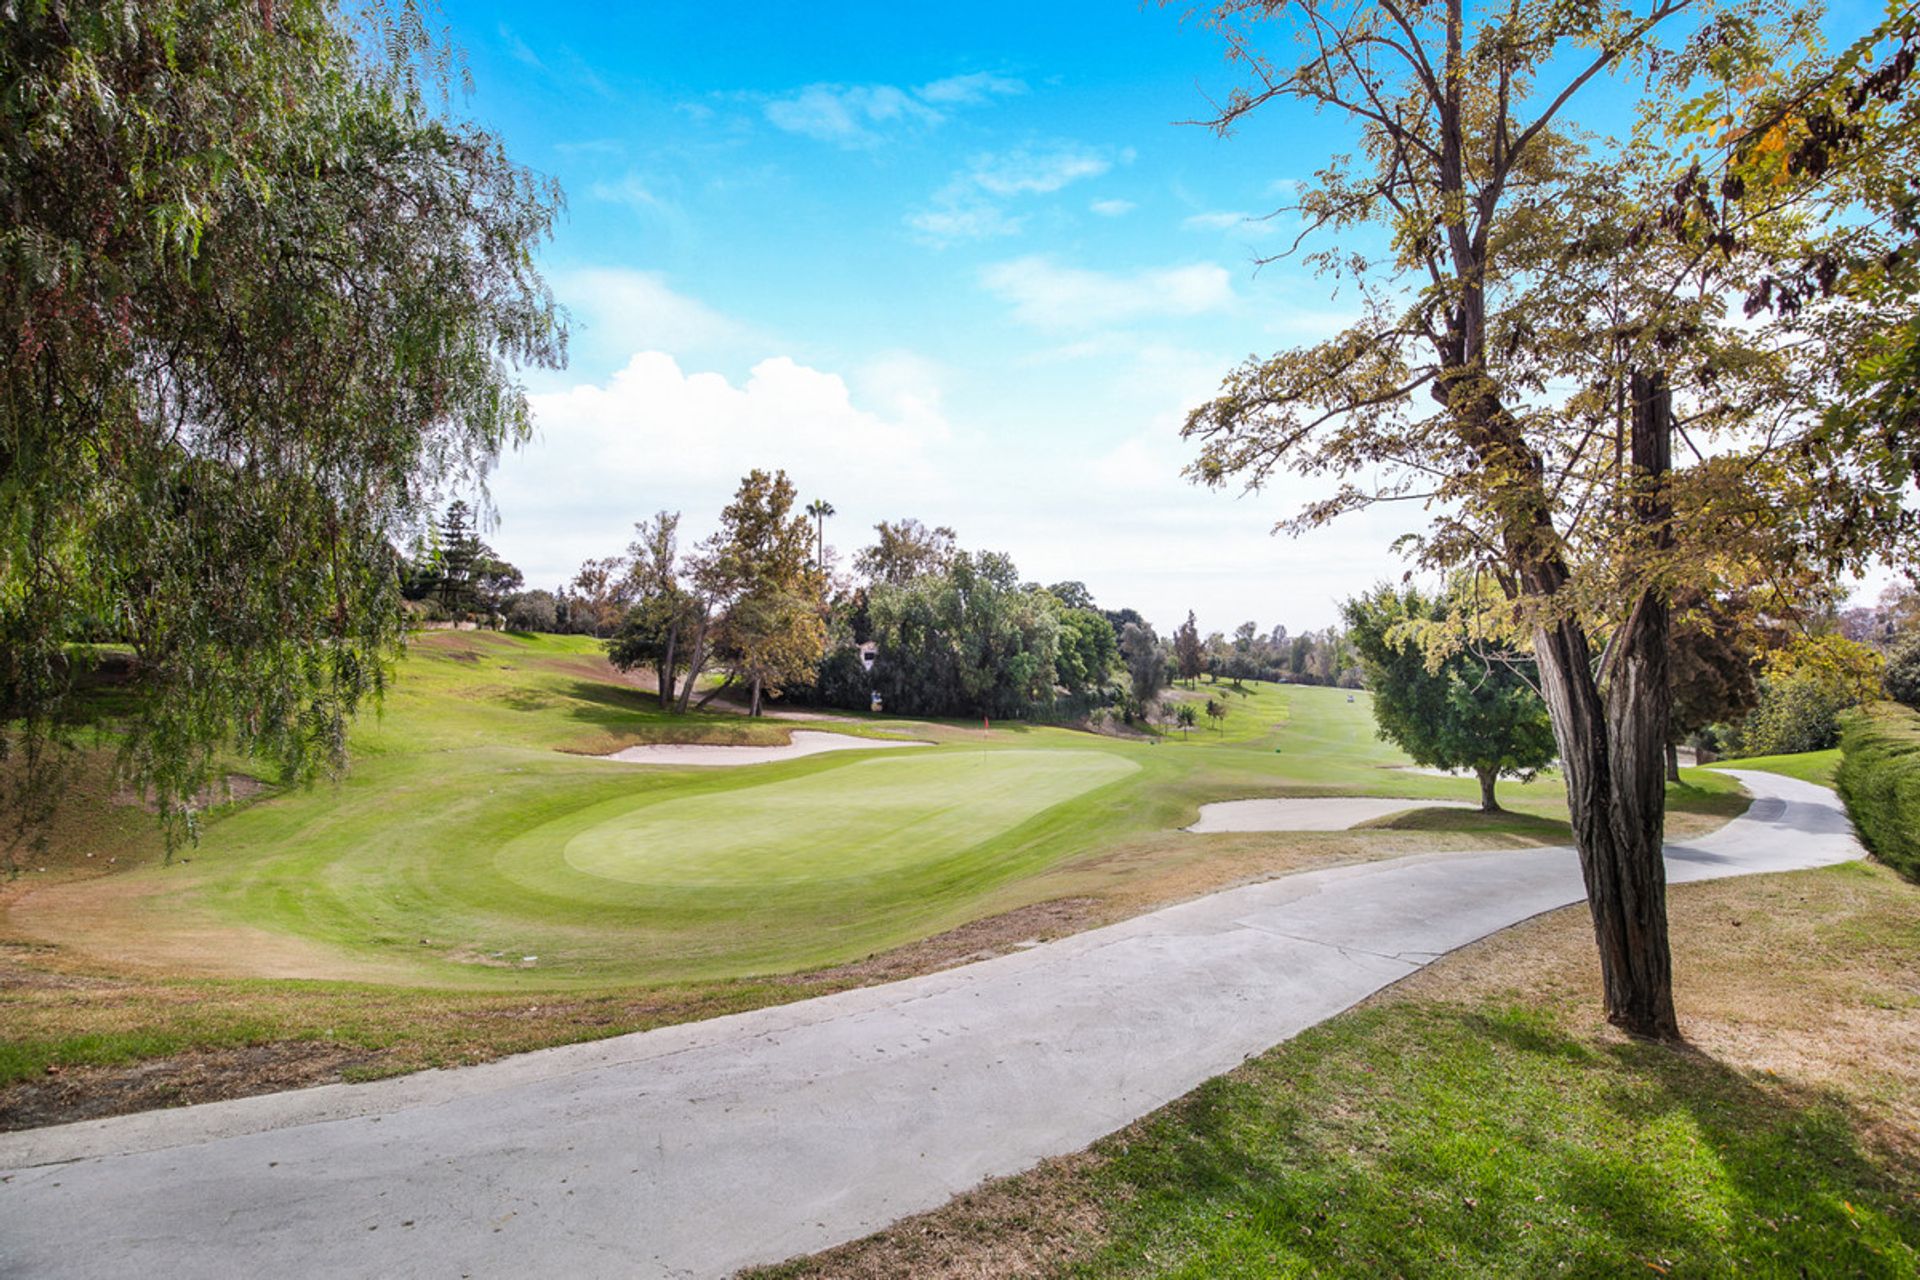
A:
1047,295
655,435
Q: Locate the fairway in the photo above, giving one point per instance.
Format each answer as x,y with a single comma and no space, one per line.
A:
872,818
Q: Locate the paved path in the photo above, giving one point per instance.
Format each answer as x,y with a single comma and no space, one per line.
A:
694,1150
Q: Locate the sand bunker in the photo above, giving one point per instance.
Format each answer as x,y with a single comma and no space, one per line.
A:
804,743
1319,813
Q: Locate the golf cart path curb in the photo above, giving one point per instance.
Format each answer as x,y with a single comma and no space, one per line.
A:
695,1150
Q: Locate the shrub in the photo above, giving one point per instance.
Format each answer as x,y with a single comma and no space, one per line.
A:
1879,778
532,611
1902,676
1795,713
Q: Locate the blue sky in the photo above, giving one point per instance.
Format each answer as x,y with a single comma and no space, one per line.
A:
960,262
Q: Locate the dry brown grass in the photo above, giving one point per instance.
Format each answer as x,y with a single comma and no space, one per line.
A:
1809,978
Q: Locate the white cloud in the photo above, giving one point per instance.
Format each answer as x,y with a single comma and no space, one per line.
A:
633,192
1049,296
1024,171
972,205
621,311
655,435
958,219
846,114
976,87
1112,208
1233,220
519,49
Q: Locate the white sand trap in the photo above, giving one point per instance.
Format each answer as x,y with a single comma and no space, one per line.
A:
804,743
1315,813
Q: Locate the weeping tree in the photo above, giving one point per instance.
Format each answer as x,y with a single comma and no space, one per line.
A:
1542,330
263,295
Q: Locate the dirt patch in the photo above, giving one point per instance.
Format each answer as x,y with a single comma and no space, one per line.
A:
131,922
1001,1229
235,788
68,1094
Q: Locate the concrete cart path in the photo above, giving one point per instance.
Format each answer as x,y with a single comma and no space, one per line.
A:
695,1150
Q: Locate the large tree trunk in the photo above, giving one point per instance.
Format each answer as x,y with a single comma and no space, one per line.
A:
753,708
1487,778
1612,729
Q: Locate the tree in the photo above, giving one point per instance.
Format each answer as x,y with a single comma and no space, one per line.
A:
1442,704
772,631
1146,659
532,611
1073,595
1540,301
455,550
820,509
1217,714
1085,653
971,639
1186,716
1713,668
1186,649
1902,676
599,595
905,550
260,297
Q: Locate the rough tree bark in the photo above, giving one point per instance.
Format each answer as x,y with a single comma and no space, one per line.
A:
1611,725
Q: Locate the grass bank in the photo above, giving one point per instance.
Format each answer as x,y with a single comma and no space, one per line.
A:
477,886
1879,778
1480,1119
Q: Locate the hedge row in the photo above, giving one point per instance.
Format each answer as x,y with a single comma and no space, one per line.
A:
1879,778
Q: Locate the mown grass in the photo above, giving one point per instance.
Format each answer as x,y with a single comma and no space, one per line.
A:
470,865
1480,1120
1808,766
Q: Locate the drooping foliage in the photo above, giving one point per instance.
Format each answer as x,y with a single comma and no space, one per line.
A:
261,295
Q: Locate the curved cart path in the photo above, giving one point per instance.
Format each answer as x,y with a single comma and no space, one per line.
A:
697,1149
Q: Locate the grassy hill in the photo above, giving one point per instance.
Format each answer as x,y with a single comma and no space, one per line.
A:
477,861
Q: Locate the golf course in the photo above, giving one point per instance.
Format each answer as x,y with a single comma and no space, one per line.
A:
481,850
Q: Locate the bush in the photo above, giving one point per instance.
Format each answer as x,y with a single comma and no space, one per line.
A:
1794,714
1879,778
1902,676
532,611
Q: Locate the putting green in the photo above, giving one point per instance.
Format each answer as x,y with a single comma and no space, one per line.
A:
871,818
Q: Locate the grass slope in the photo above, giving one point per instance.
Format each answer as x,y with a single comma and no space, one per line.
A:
469,837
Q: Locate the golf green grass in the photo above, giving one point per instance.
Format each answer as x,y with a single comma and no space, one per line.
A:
472,844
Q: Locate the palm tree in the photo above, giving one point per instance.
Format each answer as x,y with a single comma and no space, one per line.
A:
820,509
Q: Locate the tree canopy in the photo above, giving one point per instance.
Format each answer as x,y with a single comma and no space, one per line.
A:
1447,708
1541,333
263,295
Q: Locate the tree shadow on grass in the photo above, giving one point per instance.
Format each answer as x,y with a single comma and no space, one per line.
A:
1441,1141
